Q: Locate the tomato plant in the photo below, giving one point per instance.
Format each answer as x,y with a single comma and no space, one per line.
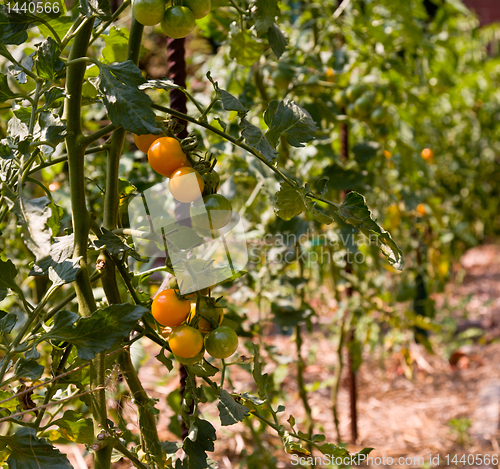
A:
301,110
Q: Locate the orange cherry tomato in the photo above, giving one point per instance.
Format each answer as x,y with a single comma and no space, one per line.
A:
165,155
421,210
387,154
186,185
427,154
143,142
185,341
170,310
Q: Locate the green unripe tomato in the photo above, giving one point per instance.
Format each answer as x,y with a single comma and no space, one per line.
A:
200,8
148,12
178,22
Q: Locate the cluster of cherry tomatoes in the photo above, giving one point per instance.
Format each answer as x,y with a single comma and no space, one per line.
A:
176,21
191,328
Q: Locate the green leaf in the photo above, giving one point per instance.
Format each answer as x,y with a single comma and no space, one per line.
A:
28,369
256,139
30,452
264,14
7,322
333,450
65,271
262,380
245,48
200,440
170,447
127,106
277,40
9,405
230,411
5,92
60,251
74,428
33,215
364,152
289,202
112,243
229,102
163,359
98,8
203,369
8,274
116,45
47,61
355,211
52,129
13,26
54,97
293,122
99,331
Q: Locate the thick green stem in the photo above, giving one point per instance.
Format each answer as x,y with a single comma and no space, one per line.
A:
81,227
147,421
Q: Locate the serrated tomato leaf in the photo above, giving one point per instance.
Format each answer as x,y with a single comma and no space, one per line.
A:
98,332
257,140
47,61
355,211
230,411
200,440
5,91
292,122
127,105
75,428
30,452
98,8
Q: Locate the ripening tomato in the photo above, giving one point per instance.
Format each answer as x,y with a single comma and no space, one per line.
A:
427,154
170,310
211,315
165,155
330,75
186,185
185,341
387,154
143,142
421,210
178,22
221,342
